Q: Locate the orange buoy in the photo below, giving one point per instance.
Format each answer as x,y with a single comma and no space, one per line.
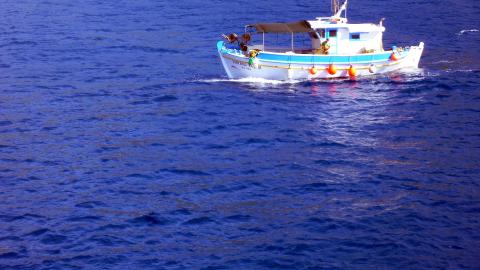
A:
352,72
331,69
394,57
313,70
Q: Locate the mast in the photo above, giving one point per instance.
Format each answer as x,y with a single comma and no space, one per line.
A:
335,6
339,10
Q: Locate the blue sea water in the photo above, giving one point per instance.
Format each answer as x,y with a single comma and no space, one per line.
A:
124,146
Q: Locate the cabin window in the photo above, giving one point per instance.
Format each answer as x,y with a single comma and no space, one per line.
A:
321,33
355,36
332,33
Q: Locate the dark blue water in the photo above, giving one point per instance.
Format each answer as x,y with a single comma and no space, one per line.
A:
124,146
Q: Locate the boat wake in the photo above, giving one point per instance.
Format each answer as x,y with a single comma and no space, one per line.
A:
467,31
251,80
408,74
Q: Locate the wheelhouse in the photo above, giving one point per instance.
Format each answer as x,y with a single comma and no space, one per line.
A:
345,38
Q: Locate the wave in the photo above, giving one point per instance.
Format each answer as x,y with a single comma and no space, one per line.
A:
467,31
461,70
443,62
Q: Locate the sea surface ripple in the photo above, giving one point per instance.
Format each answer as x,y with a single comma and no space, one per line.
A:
124,146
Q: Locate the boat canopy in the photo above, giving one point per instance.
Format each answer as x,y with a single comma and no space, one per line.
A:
292,27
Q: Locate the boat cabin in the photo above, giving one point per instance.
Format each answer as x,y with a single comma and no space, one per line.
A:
343,38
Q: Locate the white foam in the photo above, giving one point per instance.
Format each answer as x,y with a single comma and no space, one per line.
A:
443,62
251,80
462,70
467,31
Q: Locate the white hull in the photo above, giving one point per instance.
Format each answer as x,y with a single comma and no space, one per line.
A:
237,67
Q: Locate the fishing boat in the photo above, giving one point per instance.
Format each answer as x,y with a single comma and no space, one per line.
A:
336,49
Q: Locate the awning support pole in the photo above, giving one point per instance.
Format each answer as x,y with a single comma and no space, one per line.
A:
292,41
263,40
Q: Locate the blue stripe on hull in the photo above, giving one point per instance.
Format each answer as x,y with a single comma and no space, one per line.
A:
317,59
